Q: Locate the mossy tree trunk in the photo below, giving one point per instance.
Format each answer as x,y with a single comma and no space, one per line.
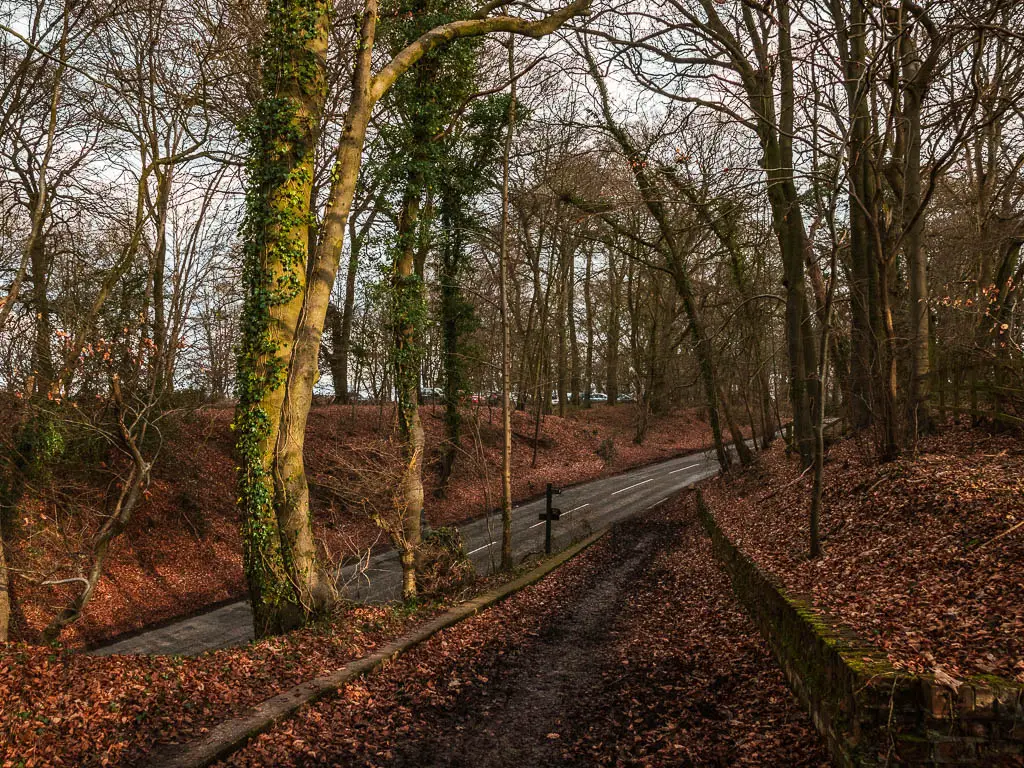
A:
456,319
286,296
279,551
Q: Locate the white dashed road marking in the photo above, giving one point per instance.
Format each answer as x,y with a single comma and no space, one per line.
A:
623,490
688,466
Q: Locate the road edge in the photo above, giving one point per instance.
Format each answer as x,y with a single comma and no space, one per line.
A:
231,735
95,647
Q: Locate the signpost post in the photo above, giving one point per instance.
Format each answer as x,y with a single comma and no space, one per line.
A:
550,513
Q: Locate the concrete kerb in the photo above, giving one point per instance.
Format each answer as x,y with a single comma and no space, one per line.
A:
231,735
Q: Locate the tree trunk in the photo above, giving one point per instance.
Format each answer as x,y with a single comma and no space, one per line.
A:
789,227
286,299
743,451
42,352
506,336
919,420
334,360
889,427
768,425
344,338
563,346
612,348
588,369
455,312
163,364
5,586
408,561
408,312
643,420
279,553
819,413
661,352
851,37
574,345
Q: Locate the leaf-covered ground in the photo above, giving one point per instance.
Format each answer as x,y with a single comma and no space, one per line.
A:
634,653
182,550
921,555
63,708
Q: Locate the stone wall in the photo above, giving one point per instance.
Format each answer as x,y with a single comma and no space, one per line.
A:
869,713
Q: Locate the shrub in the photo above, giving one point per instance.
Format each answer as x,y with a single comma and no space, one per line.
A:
606,450
445,569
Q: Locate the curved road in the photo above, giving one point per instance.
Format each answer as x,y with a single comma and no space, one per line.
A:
585,508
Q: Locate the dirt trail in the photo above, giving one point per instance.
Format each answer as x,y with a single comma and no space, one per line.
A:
633,653
524,717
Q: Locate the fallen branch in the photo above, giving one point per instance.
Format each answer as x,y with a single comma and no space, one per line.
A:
57,582
1007,532
794,481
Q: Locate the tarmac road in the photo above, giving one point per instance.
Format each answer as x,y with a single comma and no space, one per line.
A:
586,508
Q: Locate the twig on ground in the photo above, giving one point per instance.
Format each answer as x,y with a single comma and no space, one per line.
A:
1007,532
781,488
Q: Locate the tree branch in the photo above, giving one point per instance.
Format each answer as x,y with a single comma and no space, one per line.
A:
455,30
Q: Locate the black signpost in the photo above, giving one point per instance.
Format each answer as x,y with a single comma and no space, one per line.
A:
550,513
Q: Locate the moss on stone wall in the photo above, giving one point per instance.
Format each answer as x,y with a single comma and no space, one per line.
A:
868,712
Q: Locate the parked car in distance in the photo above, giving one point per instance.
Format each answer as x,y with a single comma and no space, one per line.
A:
625,398
431,395
597,397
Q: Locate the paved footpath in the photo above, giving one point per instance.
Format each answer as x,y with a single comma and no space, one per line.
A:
586,508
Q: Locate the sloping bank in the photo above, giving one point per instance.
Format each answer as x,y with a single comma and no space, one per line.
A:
870,713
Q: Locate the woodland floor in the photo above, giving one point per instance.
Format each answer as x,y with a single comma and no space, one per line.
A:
921,556
182,550
634,653
59,707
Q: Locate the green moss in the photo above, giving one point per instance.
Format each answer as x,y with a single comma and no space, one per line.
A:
281,135
994,681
